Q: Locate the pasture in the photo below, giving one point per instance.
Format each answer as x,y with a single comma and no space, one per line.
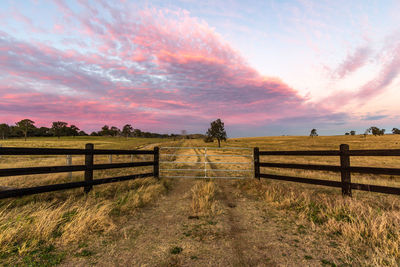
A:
181,222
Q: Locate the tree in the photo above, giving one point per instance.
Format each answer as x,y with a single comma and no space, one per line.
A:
217,131
395,131
25,126
114,131
347,134
352,132
313,133
82,133
43,131
73,130
137,133
127,130
105,130
15,131
59,128
4,130
376,131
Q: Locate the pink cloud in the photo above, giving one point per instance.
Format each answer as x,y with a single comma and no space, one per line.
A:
390,70
374,87
353,61
158,68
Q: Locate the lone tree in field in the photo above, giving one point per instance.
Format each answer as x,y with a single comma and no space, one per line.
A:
25,125
395,131
58,128
127,130
217,131
313,133
352,132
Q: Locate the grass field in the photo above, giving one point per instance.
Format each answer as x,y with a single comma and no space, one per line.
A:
42,229
364,228
315,225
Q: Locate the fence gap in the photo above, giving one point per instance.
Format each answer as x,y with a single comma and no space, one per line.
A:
110,159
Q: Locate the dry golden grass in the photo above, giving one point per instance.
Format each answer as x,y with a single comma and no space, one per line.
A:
363,230
203,198
40,229
34,223
365,227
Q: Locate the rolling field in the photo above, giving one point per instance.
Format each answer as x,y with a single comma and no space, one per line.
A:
193,222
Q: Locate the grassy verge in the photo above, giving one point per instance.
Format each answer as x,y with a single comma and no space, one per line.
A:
39,230
364,228
43,229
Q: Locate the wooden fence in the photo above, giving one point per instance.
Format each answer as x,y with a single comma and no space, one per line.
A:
345,169
88,168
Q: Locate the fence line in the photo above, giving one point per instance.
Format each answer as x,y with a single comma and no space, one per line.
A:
88,168
345,168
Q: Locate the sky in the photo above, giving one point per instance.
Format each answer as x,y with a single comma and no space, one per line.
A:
263,67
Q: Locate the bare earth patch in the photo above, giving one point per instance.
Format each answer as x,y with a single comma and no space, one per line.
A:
239,229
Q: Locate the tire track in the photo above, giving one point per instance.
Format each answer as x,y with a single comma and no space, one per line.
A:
225,196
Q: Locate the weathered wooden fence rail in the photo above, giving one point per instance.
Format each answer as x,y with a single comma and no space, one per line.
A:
345,169
88,168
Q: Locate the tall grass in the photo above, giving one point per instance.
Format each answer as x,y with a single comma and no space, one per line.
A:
203,198
366,227
40,229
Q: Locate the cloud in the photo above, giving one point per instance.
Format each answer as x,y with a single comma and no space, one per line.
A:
154,68
374,117
353,62
390,70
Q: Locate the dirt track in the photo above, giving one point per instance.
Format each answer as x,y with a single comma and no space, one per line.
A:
244,232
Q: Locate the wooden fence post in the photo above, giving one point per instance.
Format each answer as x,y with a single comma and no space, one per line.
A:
89,166
156,162
69,163
345,173
256,155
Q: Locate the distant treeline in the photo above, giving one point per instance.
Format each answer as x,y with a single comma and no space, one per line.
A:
26,128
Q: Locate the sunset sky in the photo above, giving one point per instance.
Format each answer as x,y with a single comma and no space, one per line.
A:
263,67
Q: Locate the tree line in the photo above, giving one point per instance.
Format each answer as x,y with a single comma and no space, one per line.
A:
371,130
26,128
376,131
